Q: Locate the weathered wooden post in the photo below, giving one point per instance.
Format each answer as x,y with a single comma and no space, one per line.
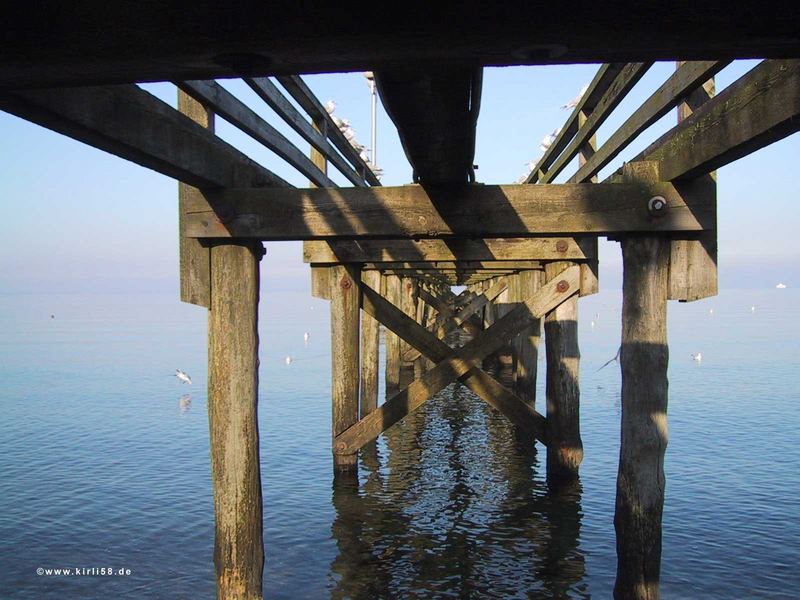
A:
565,448
527,343
233,419
643,358
370,340
345,303
392,340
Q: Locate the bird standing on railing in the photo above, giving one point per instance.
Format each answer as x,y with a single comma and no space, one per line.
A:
330,106
574,102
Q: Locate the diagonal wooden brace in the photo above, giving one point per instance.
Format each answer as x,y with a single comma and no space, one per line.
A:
462,363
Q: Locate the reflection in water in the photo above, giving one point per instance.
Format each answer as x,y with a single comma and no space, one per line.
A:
185,403
455,504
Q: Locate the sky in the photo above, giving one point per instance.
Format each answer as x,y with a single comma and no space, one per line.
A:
76,219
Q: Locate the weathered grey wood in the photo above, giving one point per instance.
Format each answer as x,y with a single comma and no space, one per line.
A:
78,47
320,282
194,258
270,94
643,359
527,343
471,210
345,300
370,340
392,342
615,94
298,89
460,362
590,272
665,98
233,422
236,112
135,125
456,249
408,304
565,451
760,108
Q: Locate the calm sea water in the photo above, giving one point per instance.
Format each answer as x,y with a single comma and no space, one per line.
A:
104,461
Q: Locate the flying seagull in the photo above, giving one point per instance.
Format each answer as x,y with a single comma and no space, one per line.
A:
697,357
183,377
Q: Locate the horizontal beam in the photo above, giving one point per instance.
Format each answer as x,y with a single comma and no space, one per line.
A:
429,212
127,121
465,265
452,249
97,41
758,109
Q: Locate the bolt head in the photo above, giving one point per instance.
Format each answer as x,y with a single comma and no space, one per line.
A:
345,283
657,205
562,286
561,246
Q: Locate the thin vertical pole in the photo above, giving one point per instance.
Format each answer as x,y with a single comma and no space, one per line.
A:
565,448
370,339
345,300
233,420
392,340
643,359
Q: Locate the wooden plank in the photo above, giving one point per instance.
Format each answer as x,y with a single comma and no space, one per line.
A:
756,110
461,249
528,343
643,359
303,95
435,111
135,125
615,94
665,98
270,94
98,41
414,211
590,272
345,301
194,258
461,361
320,282
232,420
408,304
465,265
565,452
392,342
241,116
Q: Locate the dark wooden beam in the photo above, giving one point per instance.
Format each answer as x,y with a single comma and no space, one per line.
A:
472,210
133,124
435,111
98,42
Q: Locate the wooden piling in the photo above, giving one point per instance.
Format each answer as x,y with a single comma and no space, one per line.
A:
392,341
565,448
345,295
527,343
233,420
643,358
370,340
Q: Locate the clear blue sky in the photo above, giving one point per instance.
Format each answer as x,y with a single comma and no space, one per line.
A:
73,218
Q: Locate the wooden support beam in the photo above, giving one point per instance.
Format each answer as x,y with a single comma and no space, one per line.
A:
241,116
471,210
565,451
435,111
452,249
462,265
320,282
392,342
233,422
643,359
528,342
370,340
194,258
270,94
665,98
135,125
408,304
345,299
461,363
760,108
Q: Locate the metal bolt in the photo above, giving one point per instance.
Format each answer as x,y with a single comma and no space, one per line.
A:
341,446
561,246
657,205
562,286
345,283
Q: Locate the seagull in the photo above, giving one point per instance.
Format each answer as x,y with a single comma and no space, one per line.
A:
364,154
306,335
330,106
753,308
574,102
183,377
591,324
615,359
781,286
548,140
697,357
349,133
711,311
288,360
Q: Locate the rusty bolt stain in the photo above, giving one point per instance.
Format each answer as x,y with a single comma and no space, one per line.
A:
341,446
345,283
562,286
561,246
657,205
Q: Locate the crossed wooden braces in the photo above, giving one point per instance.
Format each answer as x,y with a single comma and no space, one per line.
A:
457,363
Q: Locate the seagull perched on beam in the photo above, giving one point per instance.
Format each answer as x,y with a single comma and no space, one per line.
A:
330,106
574,102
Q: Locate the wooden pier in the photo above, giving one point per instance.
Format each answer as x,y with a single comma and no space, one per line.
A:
387,257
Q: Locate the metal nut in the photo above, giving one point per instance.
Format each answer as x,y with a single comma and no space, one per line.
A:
345,283
562,286
657,205
561,246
